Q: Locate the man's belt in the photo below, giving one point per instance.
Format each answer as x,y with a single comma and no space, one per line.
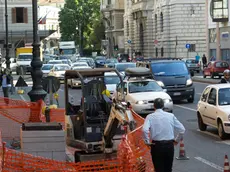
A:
162,141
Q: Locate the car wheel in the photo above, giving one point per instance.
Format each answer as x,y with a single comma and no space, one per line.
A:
212,75
201,124
190,100
221,131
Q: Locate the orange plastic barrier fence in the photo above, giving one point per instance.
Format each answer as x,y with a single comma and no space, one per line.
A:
132,156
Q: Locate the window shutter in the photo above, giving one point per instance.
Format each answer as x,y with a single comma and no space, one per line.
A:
13,15
25,15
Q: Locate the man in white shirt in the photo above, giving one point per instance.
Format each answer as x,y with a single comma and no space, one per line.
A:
161,125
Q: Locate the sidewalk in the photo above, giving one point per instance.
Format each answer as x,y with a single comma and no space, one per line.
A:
207,80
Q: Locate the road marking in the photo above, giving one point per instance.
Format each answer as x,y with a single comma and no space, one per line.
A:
201,83
210,134
187,108
227,142
217,167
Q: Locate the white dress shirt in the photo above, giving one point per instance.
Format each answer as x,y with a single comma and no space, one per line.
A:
161,125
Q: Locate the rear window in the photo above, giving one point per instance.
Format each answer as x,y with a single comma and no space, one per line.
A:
222,64
192,61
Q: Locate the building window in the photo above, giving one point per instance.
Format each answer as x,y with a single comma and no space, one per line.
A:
109,2
162,52
162,22
156,23
156,52
19,15
192,48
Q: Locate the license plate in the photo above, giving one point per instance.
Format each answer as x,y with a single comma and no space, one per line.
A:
177,94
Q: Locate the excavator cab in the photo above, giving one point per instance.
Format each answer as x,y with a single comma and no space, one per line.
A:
85,123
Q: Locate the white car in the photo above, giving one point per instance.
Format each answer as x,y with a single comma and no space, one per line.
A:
13,64
58,71
121,67
80,64
111,80
141,93
46,69
214,109
55,62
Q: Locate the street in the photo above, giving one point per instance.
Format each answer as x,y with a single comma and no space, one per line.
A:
205,149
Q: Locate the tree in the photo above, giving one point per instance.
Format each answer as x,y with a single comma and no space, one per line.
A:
77,19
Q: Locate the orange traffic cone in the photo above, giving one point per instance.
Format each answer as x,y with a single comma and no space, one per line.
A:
226,164
182,154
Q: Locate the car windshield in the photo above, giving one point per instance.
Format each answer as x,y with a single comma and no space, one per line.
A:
55,62
68,51
222,65
143,86
47,67
111,61
100,58
111,80
61,68
25,57
122,67
63,57
192,61
169,69
224,96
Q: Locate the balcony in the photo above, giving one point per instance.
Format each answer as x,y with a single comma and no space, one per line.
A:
106,7
139,5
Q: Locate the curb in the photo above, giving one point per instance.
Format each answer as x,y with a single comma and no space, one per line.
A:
207,81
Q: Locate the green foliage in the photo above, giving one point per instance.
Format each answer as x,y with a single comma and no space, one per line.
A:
84,15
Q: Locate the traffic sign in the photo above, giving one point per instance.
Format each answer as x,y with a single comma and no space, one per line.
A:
188,46
129,41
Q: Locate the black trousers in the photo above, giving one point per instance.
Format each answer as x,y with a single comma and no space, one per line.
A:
162,156
6,94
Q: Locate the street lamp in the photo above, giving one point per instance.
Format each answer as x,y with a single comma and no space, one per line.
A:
7,40
37,92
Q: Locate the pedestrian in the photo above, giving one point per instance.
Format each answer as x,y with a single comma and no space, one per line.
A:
161,126
204,61
5,81
226,78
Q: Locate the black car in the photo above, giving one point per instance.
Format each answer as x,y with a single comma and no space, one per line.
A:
172,75
124,58
100,61
111,62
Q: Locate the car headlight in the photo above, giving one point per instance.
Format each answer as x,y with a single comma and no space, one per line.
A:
167,100
189,82
141,102
160,83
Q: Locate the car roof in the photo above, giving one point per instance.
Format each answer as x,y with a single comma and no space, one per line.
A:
124,63
219,86
80,63
25,54
110,74
137,80
61,65
55,61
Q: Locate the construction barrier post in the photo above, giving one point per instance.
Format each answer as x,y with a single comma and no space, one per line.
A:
182,153
226,164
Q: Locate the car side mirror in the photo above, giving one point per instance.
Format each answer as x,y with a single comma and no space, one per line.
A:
192,73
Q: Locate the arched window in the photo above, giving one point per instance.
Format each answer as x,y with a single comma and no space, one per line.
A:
162,22
127,28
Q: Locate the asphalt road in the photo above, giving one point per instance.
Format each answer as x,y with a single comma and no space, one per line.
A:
205,150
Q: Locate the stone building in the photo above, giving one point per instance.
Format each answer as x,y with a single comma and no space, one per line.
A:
165,27
113,12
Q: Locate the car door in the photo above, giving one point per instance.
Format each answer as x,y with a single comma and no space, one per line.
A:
202,105
208,69
119,93
212,107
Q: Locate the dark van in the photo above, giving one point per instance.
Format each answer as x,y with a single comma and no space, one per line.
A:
172,75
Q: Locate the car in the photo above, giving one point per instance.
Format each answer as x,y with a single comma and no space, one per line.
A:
90,61
100,61
80,64
135,91
58,70
76,83
55,62
121,67
111,80
173,75
213,109
215,68
46,69
13,64
111,62
193,65
67,61
124,58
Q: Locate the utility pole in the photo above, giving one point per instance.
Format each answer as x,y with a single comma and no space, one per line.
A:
7,36
37,92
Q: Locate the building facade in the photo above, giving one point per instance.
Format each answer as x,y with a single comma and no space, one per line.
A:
167,28
224,30
113,12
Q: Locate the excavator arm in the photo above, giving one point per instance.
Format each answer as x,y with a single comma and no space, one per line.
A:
120,114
